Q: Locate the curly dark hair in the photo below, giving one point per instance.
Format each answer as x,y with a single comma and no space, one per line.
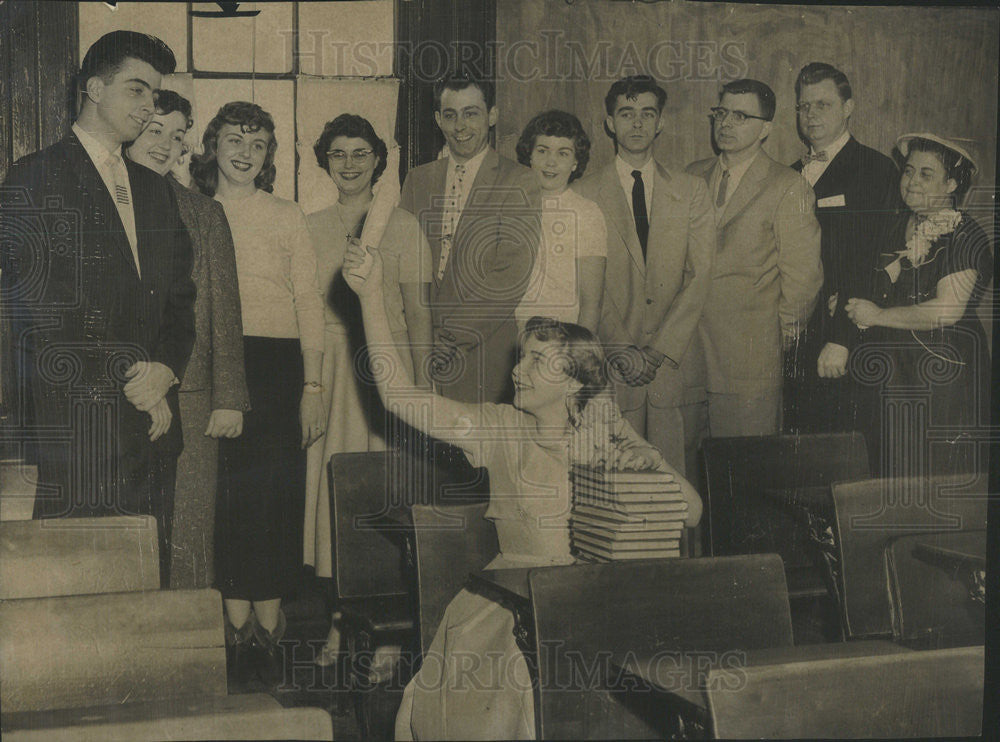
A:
356,127
956,167
460,80
168,101
555,123
581,356
249,117
632,87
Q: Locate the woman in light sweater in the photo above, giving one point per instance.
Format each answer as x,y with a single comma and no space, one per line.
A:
261,474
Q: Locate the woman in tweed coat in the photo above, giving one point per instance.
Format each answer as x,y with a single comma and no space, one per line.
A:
213,395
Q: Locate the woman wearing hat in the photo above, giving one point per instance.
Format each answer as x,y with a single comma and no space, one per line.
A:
925,341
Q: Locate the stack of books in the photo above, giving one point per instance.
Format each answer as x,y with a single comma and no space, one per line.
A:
625,514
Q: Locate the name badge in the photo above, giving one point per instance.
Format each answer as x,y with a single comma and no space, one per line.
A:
829,201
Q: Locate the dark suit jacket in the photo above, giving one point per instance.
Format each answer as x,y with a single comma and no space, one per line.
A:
216,361
493,251
82,316
856,197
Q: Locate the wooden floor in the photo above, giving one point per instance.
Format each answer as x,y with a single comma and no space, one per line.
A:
312,685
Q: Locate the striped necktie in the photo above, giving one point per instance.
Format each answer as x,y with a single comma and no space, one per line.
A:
123,203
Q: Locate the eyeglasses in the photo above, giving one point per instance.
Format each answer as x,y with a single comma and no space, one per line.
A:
358,155
821,106
718,115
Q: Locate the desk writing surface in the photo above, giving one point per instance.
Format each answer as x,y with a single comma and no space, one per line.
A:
683,673
512,582
958,549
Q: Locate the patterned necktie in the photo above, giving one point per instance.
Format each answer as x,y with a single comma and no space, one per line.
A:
720,199
815,157
639,210
454,211
119,176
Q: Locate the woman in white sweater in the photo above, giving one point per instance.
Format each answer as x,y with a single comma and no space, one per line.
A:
261,474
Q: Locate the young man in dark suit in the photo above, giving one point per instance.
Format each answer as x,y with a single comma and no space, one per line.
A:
857,190
480,212
98,280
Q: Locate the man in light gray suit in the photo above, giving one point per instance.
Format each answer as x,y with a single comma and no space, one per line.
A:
661,236
767,271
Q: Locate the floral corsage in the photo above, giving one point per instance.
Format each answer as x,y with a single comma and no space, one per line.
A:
935,226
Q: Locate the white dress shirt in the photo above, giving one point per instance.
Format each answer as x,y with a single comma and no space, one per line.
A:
471,171
736,173
814,169
625,178
99,156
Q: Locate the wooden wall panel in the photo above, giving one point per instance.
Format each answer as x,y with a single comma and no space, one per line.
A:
912,68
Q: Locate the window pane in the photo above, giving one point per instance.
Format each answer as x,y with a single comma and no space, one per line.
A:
166,21
320,101
275,97
347,39
258,44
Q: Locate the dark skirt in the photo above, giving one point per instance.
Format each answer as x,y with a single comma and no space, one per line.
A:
261,488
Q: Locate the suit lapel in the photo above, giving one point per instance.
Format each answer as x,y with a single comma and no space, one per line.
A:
432,214
843,163
145,230
748,188
619,214
93,190
486,178
662,219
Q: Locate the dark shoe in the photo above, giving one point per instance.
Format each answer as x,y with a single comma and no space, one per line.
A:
239,646
270,655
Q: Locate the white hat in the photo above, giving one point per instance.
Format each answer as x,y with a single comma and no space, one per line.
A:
903,145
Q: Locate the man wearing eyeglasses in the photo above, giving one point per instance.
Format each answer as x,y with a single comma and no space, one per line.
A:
767,265
661,238
856,190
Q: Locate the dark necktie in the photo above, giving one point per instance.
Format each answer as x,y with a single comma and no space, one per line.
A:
639,210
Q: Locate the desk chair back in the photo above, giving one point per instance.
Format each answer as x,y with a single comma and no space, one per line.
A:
937,693
364,486
869,514
451,541
936,603
740,519
689,609
78,556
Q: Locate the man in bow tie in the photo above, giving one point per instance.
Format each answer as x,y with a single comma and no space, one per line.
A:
856,190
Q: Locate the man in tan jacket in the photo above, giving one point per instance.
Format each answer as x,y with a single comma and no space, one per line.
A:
767,271
661,236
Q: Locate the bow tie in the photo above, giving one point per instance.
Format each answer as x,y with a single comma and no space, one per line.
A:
818,157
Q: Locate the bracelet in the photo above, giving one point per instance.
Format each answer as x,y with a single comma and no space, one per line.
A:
312,387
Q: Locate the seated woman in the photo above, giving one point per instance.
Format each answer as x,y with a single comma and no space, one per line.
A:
567,279
213,396
527,451
934,269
